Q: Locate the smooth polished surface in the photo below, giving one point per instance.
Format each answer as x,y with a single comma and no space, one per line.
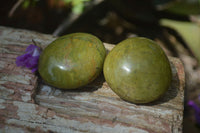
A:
72,61
138,70
28,105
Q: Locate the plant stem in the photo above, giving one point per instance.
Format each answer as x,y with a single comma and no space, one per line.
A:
16,5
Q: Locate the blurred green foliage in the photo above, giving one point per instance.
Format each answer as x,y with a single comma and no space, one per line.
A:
182,7
28,3
189,31
185,7
77,5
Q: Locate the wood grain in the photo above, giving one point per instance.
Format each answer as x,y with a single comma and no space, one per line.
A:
27,104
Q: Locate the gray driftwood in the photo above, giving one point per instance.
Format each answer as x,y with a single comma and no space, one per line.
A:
29,105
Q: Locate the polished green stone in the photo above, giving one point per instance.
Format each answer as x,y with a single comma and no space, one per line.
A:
138,70
72,61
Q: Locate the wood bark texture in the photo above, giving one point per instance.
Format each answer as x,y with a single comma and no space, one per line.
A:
27,104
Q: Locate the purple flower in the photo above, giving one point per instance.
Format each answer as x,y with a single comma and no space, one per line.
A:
30,58
196,109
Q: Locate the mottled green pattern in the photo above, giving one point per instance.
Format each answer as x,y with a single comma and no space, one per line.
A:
138,70
72,61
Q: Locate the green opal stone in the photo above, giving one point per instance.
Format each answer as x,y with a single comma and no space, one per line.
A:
138,70
72,61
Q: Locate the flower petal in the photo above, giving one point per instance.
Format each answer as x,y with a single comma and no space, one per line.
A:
196,109
21,60
36,52
32,62
30,58
194,105
30,48
34,69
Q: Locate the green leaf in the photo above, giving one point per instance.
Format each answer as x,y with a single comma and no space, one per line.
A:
185,7
189,31
67,1
78,8
26,4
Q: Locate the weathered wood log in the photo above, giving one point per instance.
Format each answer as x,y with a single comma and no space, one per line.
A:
27,104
